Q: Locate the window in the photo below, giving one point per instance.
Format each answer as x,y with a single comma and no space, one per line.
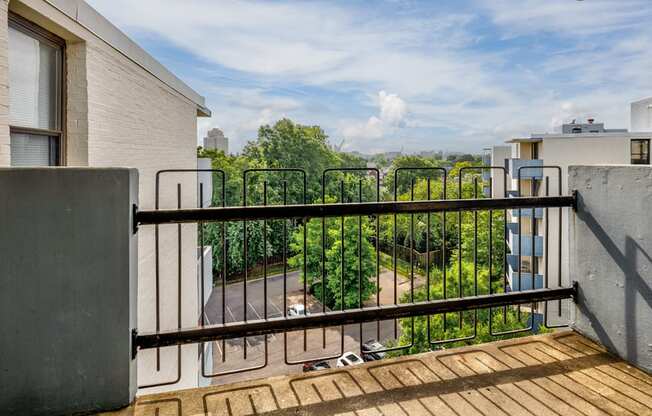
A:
535,150
640,151
35,94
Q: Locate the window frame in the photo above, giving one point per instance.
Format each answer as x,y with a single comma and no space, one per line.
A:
29,28
631,152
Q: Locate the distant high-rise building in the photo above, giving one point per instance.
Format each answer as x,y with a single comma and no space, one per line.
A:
215,139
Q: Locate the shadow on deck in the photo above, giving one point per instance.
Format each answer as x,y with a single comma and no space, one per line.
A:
555,374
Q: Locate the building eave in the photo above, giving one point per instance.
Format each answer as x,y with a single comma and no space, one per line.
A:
88,18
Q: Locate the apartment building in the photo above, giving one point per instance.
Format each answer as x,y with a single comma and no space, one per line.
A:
538,166
78,92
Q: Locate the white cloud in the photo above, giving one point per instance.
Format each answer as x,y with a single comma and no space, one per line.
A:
391,116
568,17
460,97
392,109
312,43
372,129
239,112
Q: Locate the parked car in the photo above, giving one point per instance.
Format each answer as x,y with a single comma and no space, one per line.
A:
315,366
372,350
349,358
296,309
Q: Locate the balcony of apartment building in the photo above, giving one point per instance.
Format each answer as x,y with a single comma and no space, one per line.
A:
525,213
527,168
520,278
523,244
69,314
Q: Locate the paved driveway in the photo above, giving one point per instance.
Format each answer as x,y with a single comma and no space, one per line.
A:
329,343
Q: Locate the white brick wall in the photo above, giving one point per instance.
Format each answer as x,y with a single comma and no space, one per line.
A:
76,143
5,151
137,121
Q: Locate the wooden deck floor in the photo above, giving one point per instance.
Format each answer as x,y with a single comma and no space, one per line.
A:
555,374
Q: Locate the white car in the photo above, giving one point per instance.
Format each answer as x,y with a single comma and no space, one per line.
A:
349,358
296,309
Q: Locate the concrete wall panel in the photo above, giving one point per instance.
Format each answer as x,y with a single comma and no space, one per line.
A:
611,258
68,284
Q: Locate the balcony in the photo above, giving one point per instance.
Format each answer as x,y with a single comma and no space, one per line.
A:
529,168
561,372
526,239
525,281
526,213
546,374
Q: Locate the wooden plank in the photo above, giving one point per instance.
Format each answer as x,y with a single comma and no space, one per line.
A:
527,401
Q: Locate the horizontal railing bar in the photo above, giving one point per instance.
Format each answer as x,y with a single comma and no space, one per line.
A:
351,316
175,216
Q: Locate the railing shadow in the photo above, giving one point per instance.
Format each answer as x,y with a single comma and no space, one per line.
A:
635,284
558,373
360,389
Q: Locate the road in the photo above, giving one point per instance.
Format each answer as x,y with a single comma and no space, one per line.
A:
235,304
229,356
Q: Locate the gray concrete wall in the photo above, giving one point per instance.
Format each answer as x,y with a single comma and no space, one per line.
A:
68,285
611,258
108,124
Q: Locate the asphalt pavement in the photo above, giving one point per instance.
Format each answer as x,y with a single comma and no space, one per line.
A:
328,343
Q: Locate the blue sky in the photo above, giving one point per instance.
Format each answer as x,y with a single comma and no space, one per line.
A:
401,74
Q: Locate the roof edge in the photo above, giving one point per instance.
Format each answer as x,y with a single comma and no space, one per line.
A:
90,19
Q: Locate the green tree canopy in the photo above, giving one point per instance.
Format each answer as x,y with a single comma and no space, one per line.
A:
290,145
502,320
359,260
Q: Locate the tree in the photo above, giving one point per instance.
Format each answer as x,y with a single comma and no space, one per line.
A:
412,229
283,145
213,233
405,178
502,319
290,145
359,260
233,166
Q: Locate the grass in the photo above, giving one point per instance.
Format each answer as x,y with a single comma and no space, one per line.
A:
257,273
402,266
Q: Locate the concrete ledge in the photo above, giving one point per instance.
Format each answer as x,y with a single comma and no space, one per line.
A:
611,258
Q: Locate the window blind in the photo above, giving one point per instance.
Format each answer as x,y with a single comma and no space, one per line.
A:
33,72
31,150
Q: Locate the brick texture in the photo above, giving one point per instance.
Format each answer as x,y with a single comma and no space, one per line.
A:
133,119
5,151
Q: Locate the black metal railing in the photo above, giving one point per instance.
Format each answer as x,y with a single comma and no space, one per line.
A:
347,317
296,217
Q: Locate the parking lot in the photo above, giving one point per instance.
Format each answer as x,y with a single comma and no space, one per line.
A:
282,349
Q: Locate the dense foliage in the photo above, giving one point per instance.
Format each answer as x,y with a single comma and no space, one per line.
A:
340,257
285,145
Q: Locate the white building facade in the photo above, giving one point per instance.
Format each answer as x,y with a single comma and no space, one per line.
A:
641,115
542,161
77,92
